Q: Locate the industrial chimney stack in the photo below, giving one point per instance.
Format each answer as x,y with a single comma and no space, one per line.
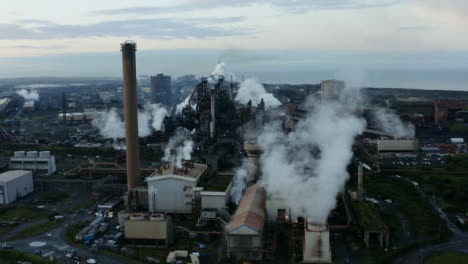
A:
130,111
213,115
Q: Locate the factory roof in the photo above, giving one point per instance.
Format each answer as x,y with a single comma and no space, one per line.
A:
190,171
12,174
219,183
251,211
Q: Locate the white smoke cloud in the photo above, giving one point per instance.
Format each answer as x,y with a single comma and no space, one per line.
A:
32,95
251,89
391,123
110,125
151,118
157,113
221,69
308,167
240,181
144,119
181,105
179,147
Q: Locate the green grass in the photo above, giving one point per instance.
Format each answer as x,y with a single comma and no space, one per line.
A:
26,213
447,257
55,197
368,215
449,188
13,256
424,222
37,229
88,203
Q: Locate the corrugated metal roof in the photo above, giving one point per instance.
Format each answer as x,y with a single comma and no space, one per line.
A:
12,174
251,210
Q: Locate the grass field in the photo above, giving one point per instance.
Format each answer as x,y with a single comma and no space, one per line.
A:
37,229
447,257
424,222
13,256
450,189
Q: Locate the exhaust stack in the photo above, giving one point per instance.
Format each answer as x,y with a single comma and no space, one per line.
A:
128,49
213,115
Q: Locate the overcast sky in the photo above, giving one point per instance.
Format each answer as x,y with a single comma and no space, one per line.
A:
252,36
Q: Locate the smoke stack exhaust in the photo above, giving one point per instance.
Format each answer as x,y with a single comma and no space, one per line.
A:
128,49
360,188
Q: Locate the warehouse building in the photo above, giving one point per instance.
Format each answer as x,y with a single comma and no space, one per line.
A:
15,184
172,189
41,163
397,145
245,231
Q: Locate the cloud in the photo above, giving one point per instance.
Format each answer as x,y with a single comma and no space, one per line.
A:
156,28
289,5
49,47
415,28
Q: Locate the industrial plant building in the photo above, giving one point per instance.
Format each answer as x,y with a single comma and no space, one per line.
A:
245,231
172,189
445,110
161,89
15,184
154,229
397,145
331,89
41,163
217,195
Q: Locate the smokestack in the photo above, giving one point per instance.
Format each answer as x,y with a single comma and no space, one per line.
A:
212,124
131,117
253,152
360,188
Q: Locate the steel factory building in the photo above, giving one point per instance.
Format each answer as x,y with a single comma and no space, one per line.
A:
245,231
41,163
15,184
172,190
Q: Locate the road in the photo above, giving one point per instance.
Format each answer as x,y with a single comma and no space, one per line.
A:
459,241
56,244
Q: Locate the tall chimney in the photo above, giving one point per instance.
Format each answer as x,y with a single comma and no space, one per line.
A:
360,187
131,117
212,123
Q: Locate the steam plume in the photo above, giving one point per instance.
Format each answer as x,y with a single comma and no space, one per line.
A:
307,167
390,123
221,69
240,181
179,147
33,95
110,125
181,105
158,113
151,118
251,89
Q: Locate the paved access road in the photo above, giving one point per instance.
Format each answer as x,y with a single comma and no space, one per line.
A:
56,244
